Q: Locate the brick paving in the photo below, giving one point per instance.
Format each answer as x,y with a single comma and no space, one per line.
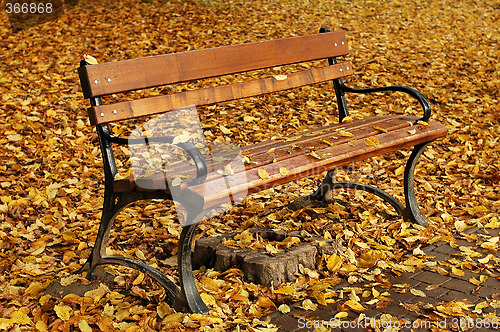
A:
438,289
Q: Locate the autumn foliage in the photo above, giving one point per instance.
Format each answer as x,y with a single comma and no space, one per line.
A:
51,181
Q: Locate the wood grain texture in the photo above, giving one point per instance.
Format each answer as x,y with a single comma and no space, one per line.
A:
160,104
217,191
128,75
340,151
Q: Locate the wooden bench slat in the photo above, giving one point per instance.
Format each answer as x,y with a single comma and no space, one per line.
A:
160,104
127,75
258,152
214,192
397,125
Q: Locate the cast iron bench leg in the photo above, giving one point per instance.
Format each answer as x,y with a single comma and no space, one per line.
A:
189,297
98,257
327,184
412,211
110,210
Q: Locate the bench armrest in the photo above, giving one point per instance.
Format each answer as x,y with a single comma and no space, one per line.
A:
412,92
188,147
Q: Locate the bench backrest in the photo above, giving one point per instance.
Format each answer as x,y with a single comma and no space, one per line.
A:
129,75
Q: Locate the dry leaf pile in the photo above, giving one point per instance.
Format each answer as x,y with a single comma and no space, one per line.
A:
51,184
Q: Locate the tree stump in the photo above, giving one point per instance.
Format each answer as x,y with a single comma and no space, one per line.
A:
259,266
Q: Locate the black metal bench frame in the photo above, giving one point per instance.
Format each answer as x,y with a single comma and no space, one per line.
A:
188,297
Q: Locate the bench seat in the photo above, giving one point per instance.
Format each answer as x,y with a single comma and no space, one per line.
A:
289,158
203,182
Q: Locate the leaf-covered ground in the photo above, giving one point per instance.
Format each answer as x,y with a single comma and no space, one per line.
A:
51,181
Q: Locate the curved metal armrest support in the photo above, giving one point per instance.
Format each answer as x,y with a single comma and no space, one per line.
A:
188,147
412,92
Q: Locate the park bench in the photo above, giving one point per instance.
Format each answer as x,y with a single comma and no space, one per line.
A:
294,157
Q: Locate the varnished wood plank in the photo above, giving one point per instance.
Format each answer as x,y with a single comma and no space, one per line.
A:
160,104
215,192
127,75
258,152
246,180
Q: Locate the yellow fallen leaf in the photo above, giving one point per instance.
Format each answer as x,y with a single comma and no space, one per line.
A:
228,170
326,142
209,284
354,305
334,262
249,118
264,329
34,288
482,305
97,293
283,171
162,309
271,150
241,298
400,170
178,317
265,302
352,143
40,326
20,318
432,287
271,249
288,242
417,292
380,129
340,315
373,141
456,271
412,132
307,304
51,113
347,119
44,299
280,77
246,160
314,155
177,181
353,296
224,130
417,251
62,312
183,138
84,326
345,133
263,174
485,259
474,281
140,255
493,223
286,290
460,225
477,210
284,309
90,59
139,279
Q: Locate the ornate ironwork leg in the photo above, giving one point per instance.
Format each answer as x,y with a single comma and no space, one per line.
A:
98,257
189,298
412,211
327,184
110,210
